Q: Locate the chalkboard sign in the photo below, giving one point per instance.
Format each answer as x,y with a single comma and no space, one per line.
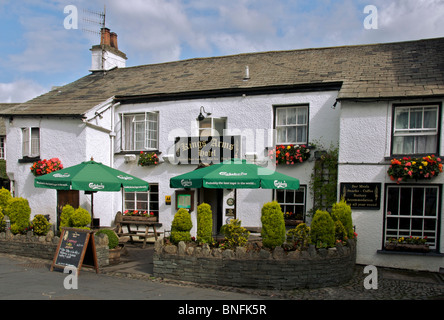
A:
76,248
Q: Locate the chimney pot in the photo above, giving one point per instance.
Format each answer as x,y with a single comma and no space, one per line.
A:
113,40
105,37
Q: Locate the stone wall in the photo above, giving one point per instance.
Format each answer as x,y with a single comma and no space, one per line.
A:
260,269
44,247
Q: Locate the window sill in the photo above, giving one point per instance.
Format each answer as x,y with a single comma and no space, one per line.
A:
407,253
29,159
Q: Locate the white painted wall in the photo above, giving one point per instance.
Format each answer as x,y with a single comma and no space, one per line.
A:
365,137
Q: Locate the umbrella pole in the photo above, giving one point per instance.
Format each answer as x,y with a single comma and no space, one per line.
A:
92,205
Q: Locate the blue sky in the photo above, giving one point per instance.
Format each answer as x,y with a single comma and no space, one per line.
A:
38,52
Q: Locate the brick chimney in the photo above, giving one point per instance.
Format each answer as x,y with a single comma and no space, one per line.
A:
107,56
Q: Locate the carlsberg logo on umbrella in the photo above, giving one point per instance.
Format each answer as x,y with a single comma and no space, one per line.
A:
186,182
125,177
59,175
96,186
280,184
228,174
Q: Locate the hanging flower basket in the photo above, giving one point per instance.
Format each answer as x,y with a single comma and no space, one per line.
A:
148,159
44,166
409,168
291,154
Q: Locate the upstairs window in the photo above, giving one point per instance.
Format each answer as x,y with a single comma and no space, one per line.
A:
30,142
291,125
140,131
212,127
415,130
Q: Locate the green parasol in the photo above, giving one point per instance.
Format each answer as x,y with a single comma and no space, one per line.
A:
234,174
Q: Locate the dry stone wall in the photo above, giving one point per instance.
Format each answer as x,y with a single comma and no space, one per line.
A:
262,269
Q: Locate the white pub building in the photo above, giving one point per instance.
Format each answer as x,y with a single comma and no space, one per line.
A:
374,103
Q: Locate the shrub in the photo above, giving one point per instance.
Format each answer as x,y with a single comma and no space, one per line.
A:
40,225
235,235
5,196
273,225
204,223
181,226
340,232
322,230
65,216
341,211
80,218
113,239
300,235
2,221
19,213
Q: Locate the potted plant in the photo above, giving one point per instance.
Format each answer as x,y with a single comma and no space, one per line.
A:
409,168
44,166
293,219
138,215
113,245
148,159
291,154
408,244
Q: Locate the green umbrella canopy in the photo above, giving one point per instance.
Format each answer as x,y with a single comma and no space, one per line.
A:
234,174
90,176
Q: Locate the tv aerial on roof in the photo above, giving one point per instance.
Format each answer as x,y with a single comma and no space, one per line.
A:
93,19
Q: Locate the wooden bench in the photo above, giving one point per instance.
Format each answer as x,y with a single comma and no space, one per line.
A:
145,234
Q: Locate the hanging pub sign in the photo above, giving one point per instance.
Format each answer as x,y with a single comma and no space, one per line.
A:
206,149
362,195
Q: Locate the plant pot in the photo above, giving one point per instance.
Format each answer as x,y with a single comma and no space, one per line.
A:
114,255
293,222
138,218
406,247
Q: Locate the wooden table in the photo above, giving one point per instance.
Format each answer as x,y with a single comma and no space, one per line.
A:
137,233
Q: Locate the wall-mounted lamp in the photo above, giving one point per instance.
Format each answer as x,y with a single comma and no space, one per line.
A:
200,117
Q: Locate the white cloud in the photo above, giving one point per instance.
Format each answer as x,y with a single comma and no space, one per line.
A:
20,91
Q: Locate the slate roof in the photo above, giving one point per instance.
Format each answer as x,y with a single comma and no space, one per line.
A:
390,70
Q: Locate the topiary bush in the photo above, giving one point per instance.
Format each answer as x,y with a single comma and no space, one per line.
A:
65,216
342,212
322,230
235,235
204,223
19,213
80,218
273,225
5,196
181,226
40,225
2,221
113,239
340,232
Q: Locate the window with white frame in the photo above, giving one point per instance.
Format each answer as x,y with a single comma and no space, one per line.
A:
212,127
30,142
415,129
140,131
143,201
412,211
292,202
291,125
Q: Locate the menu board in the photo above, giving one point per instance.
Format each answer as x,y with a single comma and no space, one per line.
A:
75,246
362,195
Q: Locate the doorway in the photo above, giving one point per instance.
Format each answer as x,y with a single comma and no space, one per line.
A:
65,197
214,197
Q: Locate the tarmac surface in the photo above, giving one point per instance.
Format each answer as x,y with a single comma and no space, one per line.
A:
24,278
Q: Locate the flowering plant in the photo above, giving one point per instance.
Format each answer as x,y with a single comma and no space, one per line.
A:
414,168
44,166
408,240
138,213
148,158
290,154
292,215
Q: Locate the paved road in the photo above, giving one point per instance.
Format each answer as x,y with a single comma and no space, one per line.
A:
31,279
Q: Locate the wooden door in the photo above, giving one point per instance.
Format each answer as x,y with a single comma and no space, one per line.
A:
65,197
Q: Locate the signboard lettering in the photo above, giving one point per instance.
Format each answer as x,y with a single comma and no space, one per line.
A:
361,195
206,149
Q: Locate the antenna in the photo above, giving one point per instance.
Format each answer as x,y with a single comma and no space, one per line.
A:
93,19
